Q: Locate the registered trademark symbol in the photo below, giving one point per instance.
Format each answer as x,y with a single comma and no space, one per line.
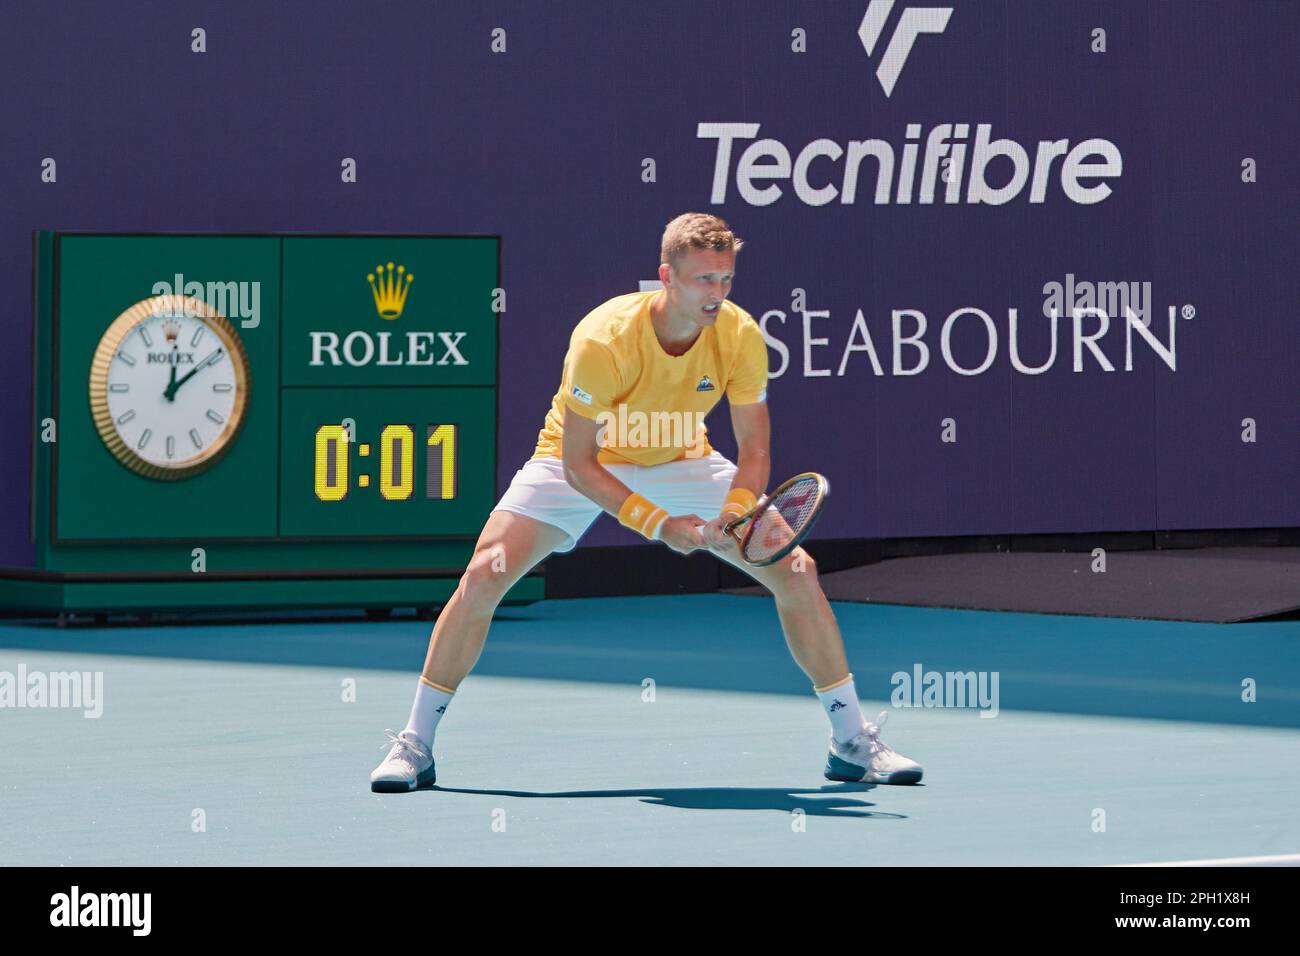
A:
1189,312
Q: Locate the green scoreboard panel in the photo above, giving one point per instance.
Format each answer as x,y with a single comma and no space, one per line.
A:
261,420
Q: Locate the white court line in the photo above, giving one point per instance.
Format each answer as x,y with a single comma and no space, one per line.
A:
1291,859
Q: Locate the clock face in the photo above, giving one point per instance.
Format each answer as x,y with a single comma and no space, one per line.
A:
168,387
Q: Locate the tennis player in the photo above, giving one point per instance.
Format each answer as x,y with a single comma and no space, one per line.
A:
625,435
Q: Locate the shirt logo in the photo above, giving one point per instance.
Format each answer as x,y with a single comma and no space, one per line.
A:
580,395
706,385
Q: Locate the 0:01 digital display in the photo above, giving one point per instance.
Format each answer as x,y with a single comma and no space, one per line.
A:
397,462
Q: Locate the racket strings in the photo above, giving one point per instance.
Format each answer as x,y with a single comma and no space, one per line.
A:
784,519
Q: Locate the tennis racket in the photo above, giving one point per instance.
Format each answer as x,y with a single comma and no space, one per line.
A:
780,520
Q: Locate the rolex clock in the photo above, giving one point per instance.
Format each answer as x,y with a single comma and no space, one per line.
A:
169,384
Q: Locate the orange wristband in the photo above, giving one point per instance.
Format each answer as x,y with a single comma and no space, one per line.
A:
642,516
740,501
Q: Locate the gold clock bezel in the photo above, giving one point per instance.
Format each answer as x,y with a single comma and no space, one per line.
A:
107,350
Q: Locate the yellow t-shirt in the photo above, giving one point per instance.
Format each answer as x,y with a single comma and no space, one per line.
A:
651,405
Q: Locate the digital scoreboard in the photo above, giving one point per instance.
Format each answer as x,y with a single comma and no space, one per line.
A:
257,420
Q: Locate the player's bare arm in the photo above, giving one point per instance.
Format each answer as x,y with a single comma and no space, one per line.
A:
583,470
753,430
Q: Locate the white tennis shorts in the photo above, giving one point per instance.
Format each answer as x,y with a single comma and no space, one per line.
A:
690,486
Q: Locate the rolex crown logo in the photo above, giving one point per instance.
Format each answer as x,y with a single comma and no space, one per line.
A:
390,289
171,329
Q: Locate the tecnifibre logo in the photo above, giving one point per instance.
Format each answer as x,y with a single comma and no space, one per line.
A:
930,168
913,22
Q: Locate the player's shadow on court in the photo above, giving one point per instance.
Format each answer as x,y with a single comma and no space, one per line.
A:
828,801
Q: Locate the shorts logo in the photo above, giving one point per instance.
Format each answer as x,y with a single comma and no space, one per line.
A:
580,395
706,385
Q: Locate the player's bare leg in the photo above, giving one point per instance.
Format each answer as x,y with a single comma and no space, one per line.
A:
811,632
509,546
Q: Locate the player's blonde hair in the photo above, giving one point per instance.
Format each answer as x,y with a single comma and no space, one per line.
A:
696,230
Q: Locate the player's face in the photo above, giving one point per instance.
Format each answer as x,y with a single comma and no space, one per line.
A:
701,282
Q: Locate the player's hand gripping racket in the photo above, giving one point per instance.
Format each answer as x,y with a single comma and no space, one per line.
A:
780,520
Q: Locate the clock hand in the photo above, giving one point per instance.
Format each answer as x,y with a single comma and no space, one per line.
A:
170,392
173,389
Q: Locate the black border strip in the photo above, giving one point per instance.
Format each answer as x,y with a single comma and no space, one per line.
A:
271,540
55,306
36,407
330,574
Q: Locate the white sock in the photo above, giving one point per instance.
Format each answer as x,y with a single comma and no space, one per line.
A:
841,705
430,704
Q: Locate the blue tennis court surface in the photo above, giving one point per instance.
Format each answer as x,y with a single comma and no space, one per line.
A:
554,752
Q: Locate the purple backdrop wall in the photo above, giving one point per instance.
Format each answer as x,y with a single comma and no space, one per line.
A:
546,143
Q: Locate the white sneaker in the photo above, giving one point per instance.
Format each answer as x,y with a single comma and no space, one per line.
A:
867,759
408,766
